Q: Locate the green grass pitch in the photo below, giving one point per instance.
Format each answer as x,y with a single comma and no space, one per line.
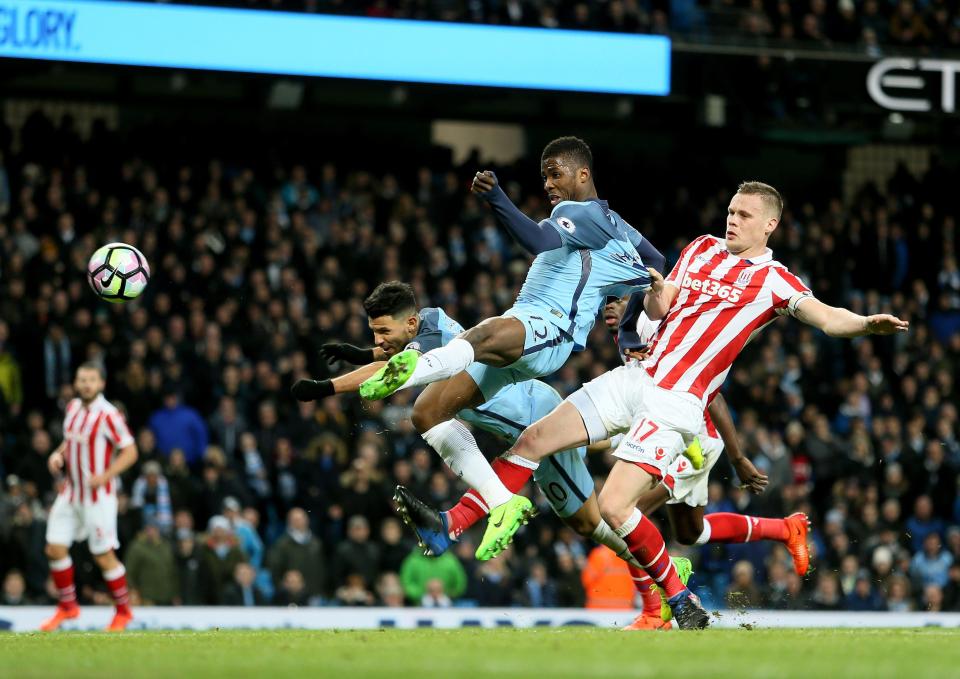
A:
544,653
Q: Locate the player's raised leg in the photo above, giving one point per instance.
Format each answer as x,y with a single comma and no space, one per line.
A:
562,429
433,416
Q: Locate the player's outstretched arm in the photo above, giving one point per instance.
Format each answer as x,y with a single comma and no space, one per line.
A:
120,464
838,322
314,390
749,476
533,237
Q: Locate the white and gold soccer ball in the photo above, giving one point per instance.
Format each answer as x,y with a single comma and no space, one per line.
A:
118,272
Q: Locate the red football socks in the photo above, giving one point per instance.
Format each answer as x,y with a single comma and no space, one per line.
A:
472,508
727,527
647,546
648,592
116,580
62,573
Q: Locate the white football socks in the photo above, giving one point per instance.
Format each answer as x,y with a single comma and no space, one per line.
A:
459,450
705,535
441,363
605,535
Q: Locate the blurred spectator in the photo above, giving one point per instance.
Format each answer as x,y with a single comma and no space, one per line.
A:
14,589
418,571
864,597
356,555
247,536
179,426
743,591
607,581
298,550
197,584
932,565
923,523
292,590
354,592
11,386
390,591
242,591
152,568
221,552
539,591
151,495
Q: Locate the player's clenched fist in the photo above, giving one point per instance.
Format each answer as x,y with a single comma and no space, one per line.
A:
55,463
656,280
484,182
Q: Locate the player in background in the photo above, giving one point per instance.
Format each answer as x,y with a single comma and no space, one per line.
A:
721,293
86,507
583,252
398,326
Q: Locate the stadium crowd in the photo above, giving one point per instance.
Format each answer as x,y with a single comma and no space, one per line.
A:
873,26
244,496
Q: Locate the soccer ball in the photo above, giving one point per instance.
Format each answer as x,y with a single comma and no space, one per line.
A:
118,272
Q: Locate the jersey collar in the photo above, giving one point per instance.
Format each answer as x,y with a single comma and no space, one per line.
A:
604,205
759,259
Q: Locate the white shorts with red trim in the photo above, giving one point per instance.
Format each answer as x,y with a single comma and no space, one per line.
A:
666,423
608,404
687,485
95,522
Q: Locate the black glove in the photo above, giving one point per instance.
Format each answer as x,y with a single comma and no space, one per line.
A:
312,390
334,352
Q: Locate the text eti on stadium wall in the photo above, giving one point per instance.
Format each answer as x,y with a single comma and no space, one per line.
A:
214,39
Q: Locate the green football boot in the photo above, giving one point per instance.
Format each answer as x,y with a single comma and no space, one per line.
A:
694,453
684,571
504,521
390,377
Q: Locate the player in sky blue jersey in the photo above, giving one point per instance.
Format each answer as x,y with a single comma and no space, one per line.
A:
584,252
397,325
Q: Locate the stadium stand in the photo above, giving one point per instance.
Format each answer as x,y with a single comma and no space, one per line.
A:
868,26
263,262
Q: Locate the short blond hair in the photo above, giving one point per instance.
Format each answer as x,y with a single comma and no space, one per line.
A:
767,193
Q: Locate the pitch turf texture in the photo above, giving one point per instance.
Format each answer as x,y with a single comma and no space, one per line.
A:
487,653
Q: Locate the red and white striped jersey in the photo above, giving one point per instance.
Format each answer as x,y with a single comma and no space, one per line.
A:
91,435
722,303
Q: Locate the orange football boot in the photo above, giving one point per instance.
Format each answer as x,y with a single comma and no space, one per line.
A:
120,622
798,524
53,622
648,622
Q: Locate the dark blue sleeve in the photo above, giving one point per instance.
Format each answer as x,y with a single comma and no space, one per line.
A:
533,237
649,254
627,335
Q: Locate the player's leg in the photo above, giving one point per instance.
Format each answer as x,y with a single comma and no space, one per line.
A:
601,408
62,529
434,417
618,505
101,518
